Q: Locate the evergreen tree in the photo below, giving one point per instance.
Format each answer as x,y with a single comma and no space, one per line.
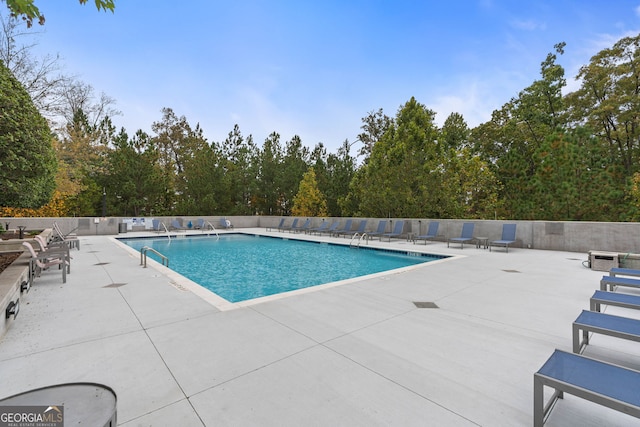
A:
403,168
294,165
268,197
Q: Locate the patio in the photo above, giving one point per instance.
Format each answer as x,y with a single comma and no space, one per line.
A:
359,354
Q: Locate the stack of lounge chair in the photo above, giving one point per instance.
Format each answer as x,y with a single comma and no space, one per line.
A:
70,238
47,254
591,378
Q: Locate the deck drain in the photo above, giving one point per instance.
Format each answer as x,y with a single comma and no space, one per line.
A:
511,271
114,285
102,263
425,304
92,252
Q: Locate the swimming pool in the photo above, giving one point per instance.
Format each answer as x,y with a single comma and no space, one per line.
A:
239,267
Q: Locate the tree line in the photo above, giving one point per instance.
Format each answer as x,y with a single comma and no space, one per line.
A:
544,154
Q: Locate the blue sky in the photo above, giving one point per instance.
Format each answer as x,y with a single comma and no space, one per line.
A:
315,68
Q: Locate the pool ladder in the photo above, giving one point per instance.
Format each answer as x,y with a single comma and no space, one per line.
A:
167,231
212,228
143,256
364,236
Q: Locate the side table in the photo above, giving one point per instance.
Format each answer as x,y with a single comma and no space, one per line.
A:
482,242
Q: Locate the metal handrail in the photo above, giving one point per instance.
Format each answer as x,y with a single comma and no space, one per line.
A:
360,237
167,230
212,228
353,237
143,256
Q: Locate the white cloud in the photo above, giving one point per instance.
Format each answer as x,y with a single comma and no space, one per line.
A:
528,25
471,99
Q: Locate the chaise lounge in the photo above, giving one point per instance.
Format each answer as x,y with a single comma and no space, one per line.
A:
618,271
279,227
617,299
290,227
361,229
175,225
600,382
331,229
303,228
432,233
466,235
71,238
45,259
398,228
319,229
606,324
382,226
345,229
508,237
612,281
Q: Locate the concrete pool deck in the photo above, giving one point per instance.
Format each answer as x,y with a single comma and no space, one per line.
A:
359,354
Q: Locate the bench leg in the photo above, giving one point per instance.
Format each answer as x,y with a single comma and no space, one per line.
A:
540,410
594,306
603,285
577,344
538,402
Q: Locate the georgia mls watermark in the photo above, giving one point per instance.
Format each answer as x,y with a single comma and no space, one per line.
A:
32,416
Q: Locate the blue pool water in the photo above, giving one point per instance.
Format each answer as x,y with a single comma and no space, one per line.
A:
239,267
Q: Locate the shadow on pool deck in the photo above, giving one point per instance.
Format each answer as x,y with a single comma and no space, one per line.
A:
359,354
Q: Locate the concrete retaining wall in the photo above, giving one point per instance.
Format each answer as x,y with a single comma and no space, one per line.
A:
623,237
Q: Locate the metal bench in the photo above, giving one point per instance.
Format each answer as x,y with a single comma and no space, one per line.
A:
616,271
606,324
599,382
612,281
614,298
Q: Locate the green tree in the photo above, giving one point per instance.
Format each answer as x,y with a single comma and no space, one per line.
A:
634,195
470,188
268,195
203,176
509,141
575,179
177,142
294,165
608,101
340,171
28,11
28,163
404,168
374,125
455,131
82,156
309,201
239,173
134,181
